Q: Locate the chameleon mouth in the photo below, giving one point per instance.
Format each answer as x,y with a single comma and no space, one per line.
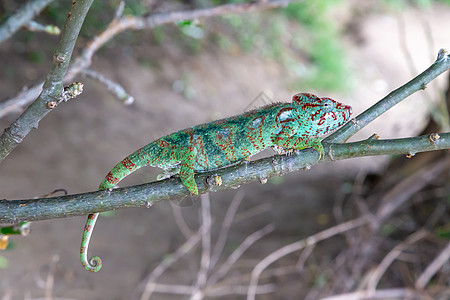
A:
350,110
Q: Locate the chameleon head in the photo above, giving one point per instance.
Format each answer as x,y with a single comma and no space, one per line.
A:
321,115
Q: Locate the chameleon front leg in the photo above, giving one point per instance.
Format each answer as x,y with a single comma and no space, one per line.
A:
297,142
188,159
93,264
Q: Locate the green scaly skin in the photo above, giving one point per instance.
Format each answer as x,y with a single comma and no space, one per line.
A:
281,126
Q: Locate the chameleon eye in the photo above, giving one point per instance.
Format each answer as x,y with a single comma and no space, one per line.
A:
327,106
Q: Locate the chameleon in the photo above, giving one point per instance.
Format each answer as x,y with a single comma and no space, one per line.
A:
283,126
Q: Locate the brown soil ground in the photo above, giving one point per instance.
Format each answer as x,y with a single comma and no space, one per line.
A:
82,139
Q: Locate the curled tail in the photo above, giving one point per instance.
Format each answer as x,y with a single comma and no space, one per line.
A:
120,171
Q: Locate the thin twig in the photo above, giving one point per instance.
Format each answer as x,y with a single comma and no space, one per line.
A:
167,262
251,212
51,278
220,291
122,24
50,29
403,191
24,15
205,259
376,274
234,289
433,267
21,100
306,253
419,82
180,221
226,224
112,86
293,247
379,294
53,86
233,258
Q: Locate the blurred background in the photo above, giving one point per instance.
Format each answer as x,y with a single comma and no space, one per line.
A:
185,73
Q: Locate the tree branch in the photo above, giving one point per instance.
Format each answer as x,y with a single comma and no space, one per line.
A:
50,29
112,86
24,15
52,90
119,25
146,195
420,82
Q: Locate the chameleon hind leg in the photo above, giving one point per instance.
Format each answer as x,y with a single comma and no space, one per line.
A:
93,264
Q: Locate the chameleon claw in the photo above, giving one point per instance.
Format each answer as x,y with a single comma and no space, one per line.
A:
319,148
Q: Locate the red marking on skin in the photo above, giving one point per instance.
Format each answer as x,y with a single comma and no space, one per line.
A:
341,106
296,143
154,160
220,122
278,140
299,99
285,109
255,134
82,250
188,131
306,106
225,143
314,115
163,143
173,155
111,179
202,158
128,164
246,153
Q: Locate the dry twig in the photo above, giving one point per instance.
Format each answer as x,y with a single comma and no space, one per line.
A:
288,249
23,16
438,262
121,24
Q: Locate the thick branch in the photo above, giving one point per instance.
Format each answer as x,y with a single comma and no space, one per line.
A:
146,195
119,25
419,82
24,15
53,86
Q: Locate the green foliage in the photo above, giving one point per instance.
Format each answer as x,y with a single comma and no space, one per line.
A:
443,232
387,229
402,4
98,17
321,42
36,56
309,48
3,262
302,36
